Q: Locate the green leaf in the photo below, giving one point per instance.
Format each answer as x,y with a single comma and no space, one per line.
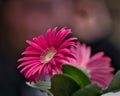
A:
89,90
114,85
76,74
63,85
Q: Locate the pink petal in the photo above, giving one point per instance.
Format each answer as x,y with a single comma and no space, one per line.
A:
96,56
34,45
27,67
31,53
30,70
48,37
38,41
28,58
67,43
61,36
27,62
53,33
43,42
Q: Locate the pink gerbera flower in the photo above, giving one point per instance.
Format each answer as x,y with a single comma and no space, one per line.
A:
96,67
45,55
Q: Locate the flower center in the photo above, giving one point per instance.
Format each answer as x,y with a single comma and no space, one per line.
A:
47,55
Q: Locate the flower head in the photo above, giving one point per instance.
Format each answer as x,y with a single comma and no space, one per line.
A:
45,55
96,67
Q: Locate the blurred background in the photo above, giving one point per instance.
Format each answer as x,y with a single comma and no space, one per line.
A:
94,22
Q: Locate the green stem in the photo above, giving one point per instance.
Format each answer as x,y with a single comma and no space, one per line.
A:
49,93
43,86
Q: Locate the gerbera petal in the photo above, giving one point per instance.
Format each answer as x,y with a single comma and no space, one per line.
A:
67,43
27,62
59,55
38,68
53,33
43,42
61,36
27,67
66,51
84,52
35,77
39,41
48,37
28,58
30,70
96,56
100,82
57,68
99,62
53,62
58,60
31,53
102,78
34,45
43,72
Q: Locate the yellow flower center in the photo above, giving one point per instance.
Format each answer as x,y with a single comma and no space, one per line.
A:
47,55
